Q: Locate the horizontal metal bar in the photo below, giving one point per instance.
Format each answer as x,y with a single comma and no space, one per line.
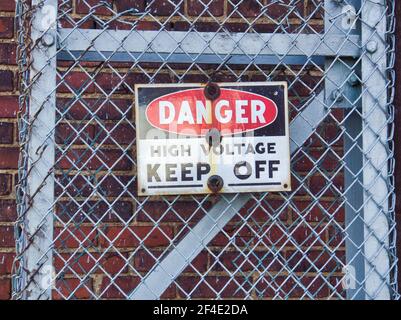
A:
176,58
193,44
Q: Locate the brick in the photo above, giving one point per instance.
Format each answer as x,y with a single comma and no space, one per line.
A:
84,263
115,109
336,236
246,8
8,53
6,262
6,81
115,134
6,132
196,7
241,234
115,186
318,211
73,288
6,27
5,289
66,133
119,288
315,261
8,210
199,264
133,236
103,159
7,237
144,260
235,261
268,209
124,5
75,81
179,211
327,186
5,184
75,236
165,7
84,7
8,107
289,287
224,286
306,235
73,186
9,158
7,5
79,212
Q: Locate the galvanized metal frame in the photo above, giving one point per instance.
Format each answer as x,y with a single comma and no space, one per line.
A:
41,150
375,155
366,195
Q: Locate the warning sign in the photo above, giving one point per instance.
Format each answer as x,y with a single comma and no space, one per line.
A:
209,138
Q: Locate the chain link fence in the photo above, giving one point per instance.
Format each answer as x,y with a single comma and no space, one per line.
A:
84,233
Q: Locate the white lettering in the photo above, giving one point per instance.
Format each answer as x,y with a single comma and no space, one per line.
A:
227,114
163,106
240,111
258,109
185,114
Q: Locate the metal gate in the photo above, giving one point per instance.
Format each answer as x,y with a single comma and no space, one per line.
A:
82,231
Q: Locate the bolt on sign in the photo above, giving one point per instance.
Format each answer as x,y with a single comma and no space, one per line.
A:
209,138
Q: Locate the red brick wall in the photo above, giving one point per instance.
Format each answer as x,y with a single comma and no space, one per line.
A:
126,207
8,143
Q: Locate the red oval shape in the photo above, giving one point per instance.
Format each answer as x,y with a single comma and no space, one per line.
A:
188,112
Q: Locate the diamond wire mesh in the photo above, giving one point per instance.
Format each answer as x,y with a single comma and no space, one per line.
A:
107,239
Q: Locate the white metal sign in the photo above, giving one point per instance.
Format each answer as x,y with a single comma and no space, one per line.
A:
209,138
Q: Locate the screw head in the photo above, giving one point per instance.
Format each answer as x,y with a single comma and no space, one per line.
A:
48,40
215,183
337,95
212,91
353,80
371,46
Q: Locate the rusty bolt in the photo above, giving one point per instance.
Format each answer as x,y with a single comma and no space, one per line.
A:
215,183
212,91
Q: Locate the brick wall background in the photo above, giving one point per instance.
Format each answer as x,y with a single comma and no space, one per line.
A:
74,230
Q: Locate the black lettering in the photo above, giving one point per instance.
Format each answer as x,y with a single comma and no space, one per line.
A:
259,168
244,175
170,172
260,148
152,172
202,169
271,147
185,171
272,167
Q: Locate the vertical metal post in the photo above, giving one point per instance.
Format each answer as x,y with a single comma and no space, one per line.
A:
397,138
375,172
39,216
343,90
